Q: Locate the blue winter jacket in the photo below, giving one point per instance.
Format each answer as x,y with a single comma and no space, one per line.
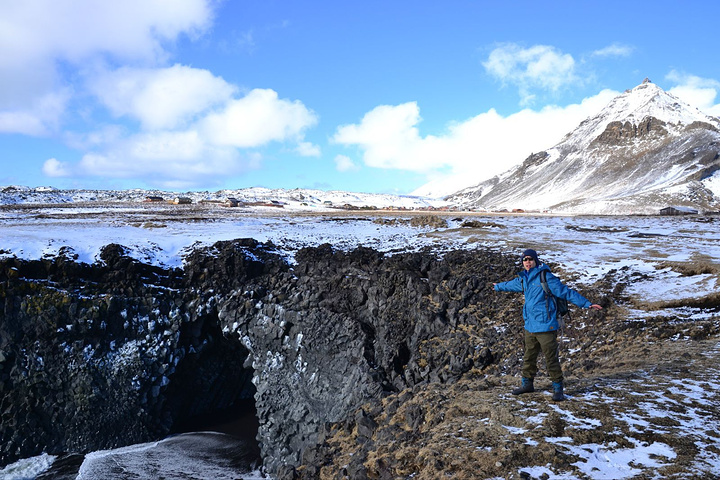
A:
541,315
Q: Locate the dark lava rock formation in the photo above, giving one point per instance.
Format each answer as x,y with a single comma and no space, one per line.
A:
120,352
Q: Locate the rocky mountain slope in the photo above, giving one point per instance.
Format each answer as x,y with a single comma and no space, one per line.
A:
644,151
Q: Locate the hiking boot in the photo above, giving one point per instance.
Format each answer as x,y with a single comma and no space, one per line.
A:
558,392
525,387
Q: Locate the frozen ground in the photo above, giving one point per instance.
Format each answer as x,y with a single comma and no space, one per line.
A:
671,266
657,422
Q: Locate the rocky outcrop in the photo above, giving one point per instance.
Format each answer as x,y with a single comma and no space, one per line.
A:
339,329
617,133
119,352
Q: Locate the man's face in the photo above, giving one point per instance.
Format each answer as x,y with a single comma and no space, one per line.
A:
528,263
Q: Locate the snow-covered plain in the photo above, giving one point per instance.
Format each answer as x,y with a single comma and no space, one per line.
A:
585,247
644,249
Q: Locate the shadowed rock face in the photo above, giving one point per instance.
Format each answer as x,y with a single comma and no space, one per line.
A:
339,329
119,352
105,355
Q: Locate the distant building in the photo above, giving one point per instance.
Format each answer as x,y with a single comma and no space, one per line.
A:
678,211
182,201
153,198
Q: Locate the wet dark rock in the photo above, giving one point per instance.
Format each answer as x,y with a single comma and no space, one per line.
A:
65,467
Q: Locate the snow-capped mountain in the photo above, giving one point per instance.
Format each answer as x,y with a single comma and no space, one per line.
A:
644,151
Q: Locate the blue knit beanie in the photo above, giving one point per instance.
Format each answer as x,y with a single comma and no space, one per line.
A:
531,253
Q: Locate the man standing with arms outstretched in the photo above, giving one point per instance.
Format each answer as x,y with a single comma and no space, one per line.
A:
541,320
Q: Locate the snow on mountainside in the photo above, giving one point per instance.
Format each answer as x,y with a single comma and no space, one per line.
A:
644,151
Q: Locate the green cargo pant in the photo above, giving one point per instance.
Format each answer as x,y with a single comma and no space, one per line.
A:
547,342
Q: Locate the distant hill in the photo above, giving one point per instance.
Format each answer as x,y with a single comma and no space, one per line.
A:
294,199
644,151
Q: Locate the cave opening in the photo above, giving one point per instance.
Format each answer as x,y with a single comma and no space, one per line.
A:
212,391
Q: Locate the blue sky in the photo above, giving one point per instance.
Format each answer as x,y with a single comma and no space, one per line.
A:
371,96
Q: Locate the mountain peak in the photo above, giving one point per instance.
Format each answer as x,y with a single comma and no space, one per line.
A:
645,150
636,105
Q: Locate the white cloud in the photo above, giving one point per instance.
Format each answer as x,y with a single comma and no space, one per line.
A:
39,117
343,163
390,139
99,138
39,36
160,98
166,168
538,67
307,149
206,151
169,159
256,119
75,30
177,147
54,168
696,91
192,124
469,151
614,50
25,122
